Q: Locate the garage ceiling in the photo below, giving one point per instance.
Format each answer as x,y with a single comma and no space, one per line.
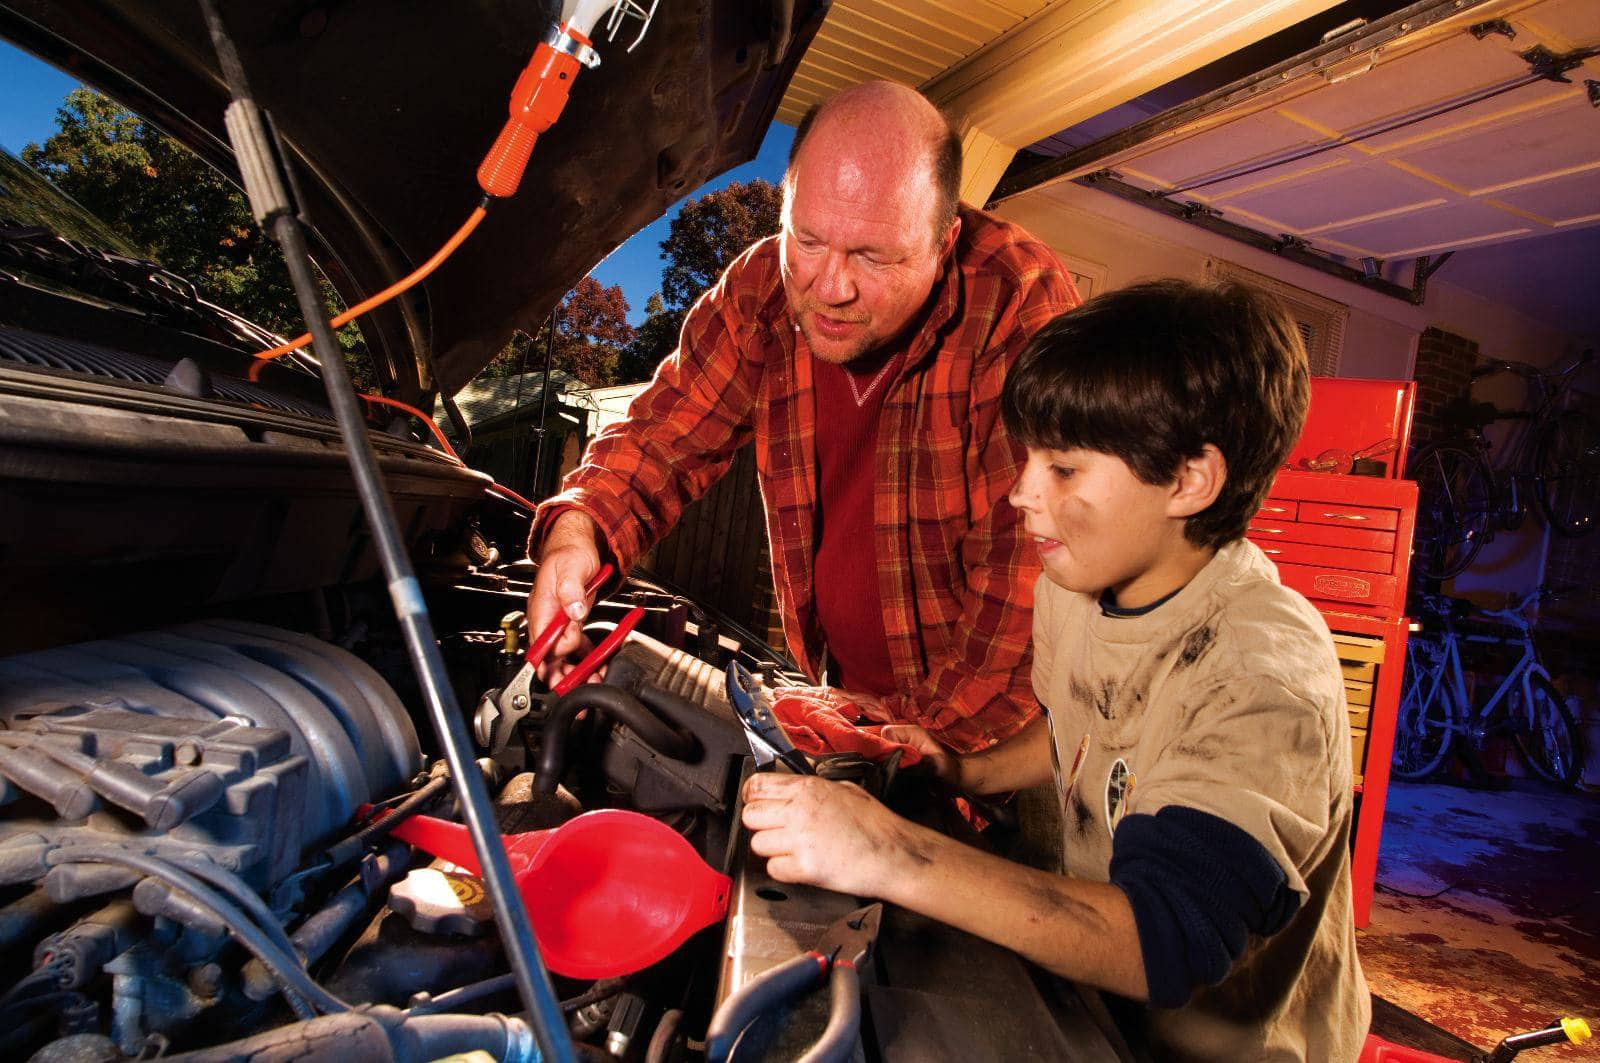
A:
1011,72
910,41
1441,142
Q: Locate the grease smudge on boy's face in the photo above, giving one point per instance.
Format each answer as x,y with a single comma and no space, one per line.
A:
1095,523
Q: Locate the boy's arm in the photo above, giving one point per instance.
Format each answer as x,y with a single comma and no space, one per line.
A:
834,835
1017,763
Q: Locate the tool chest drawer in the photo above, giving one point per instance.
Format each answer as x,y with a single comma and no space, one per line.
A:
1358,588
1359,660
1264,531
1347,516
1327,556
1278,509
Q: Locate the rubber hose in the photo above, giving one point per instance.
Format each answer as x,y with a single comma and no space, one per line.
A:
617,705
378,1033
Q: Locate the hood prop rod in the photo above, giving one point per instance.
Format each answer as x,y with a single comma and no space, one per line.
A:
269,184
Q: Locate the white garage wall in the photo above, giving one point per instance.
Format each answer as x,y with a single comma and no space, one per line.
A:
1132,243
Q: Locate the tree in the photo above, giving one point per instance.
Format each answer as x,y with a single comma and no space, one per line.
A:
711,232
178,212
656,339
591,332
708,233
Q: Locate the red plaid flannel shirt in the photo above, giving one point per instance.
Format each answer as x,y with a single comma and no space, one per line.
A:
955,576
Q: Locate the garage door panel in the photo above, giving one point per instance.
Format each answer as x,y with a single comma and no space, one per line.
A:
1455,68
1517,148
1331,200
1421,232
1570,200
1258,138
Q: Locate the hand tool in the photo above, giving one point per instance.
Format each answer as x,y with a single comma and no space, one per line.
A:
845,946
754,707
500,711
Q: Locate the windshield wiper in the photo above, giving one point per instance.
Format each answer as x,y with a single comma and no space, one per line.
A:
125,282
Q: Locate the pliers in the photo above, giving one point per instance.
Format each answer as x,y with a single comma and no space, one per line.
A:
844,947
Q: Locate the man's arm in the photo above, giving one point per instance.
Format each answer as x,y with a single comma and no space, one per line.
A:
680,436
834,835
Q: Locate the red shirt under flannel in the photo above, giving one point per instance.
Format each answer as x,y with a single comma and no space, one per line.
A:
955,575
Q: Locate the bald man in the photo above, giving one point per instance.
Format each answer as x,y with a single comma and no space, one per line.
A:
863,350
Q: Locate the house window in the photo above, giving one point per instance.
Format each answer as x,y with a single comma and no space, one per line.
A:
1320,320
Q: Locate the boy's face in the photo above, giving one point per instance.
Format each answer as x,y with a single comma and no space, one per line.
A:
1096,524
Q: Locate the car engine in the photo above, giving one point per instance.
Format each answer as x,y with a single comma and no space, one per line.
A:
244,755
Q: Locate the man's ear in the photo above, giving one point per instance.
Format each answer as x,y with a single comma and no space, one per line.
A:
1200,480
948,242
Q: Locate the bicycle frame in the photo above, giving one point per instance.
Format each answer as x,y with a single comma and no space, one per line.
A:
1474,721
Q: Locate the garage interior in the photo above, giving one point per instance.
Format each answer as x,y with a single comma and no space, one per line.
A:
1421,184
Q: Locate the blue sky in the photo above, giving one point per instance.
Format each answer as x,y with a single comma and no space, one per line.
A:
30,92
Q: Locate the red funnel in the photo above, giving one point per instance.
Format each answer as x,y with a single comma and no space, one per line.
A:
609,893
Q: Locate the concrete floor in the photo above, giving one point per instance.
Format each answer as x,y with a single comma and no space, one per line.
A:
1487,918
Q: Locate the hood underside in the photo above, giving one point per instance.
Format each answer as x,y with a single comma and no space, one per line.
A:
387,109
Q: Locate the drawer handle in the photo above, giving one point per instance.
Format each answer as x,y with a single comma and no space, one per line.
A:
1267,531
1270,550
1347,516
1273,509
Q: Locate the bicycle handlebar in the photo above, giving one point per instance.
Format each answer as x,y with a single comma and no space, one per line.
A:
1532,372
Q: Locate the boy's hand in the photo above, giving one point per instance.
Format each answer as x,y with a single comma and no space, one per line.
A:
936,759
824,833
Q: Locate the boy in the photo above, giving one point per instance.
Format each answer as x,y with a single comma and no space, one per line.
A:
1194,712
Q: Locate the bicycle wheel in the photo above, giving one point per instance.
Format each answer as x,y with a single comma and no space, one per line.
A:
1547,734
1455,504
1567,473
1427,716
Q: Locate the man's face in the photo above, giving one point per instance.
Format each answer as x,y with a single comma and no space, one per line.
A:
1095,523
859,254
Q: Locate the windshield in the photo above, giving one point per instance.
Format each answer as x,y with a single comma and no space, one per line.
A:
28,200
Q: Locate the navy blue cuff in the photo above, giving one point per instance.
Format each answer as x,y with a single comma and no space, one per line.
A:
1199,887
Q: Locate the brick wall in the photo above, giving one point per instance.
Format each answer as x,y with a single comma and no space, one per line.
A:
1443,374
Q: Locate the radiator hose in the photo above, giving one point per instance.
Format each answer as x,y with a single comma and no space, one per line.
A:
617,705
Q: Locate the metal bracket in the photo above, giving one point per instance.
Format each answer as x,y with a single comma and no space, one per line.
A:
1194,208
1494,25
1594,91
1424,270
1553,66
1289,242
1100,175
561,39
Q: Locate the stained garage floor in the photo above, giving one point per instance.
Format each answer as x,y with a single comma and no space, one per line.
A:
1487,919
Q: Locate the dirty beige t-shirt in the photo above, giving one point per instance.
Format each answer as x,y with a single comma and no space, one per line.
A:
1227,699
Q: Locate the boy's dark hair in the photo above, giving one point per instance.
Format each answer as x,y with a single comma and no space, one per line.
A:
1153,372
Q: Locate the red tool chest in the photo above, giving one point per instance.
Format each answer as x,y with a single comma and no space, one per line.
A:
1344,542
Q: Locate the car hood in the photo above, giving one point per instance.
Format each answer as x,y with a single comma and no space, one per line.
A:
387,109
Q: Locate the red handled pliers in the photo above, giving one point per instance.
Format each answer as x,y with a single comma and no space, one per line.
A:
845,946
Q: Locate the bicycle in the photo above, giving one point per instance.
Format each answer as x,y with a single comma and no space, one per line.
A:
1435,708
1463,500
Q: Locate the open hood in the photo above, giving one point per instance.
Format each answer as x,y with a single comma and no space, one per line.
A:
387,109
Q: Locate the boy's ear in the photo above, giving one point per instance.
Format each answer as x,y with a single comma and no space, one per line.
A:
1200,480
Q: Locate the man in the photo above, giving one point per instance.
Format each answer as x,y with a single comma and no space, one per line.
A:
863,349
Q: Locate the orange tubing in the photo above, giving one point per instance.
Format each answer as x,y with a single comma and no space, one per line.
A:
416,276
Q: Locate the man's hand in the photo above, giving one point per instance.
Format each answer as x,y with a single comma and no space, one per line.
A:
569,559
936,759
828,834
